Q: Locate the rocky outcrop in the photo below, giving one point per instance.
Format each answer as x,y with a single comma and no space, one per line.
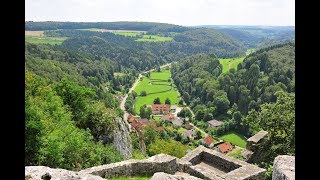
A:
200,163
121,138
284,168
47,173
180,176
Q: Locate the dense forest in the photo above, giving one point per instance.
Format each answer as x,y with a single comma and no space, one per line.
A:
239,96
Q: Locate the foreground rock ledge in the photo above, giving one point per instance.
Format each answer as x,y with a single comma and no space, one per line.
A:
284,168
200,163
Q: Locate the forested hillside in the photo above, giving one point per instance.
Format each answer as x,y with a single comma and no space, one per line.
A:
259,95
255,82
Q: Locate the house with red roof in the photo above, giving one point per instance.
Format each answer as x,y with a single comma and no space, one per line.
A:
160,108
208,141
224,147
131,118
136,125
168,117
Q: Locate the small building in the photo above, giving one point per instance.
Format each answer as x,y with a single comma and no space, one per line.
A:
188,126
136,125
160,108
131,118
160,128
224,147
215,123
168,117
189,133
208,141
177,121
173,108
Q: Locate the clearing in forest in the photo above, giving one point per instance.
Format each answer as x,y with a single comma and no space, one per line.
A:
156,86
235,139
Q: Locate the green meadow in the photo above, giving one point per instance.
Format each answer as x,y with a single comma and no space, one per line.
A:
127,34
45,40
156,86
154,38
229,63
235,139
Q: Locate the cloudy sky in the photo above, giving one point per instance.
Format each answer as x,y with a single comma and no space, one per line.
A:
180,12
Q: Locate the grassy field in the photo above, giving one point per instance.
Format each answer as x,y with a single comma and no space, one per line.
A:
237,154
154,38
34,33
229,63
156,86
235,139
44,40
131,177
127,34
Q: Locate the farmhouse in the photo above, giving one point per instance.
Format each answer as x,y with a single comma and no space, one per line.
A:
215,123
224,147
168,117
137,125
160,108
208,141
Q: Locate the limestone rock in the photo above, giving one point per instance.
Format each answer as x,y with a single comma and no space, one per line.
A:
165,176
284,168
44,172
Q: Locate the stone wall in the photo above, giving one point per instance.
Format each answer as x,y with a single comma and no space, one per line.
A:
283,168
186,168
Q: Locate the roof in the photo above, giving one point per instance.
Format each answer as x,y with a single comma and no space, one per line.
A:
188,126
225,147
131,118
208,140
152,123
177,121
160,107
215,123
137,125
168,116
189,133
257,137
160,128
143,120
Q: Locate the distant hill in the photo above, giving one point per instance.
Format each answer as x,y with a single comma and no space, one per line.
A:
121,25
257,36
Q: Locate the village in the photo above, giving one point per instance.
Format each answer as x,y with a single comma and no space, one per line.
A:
164,118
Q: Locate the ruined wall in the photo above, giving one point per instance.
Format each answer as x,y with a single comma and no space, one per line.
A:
284,168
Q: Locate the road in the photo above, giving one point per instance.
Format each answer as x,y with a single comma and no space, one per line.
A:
206,134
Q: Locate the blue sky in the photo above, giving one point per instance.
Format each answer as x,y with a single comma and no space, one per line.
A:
180,12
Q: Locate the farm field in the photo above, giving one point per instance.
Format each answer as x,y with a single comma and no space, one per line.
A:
44,40
127,34
235,139
154,38
34,33
156,86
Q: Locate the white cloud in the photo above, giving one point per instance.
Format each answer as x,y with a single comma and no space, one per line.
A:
182,12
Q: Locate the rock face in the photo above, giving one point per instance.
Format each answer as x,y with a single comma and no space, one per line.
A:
46,173
284,168
121,139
